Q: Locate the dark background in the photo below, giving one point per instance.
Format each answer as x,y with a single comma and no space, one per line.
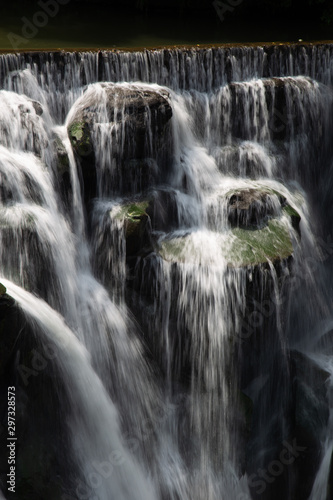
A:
149,23
317,10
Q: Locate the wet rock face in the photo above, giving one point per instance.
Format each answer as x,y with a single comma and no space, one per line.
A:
8,328
38,272
280,94
247,159
26,114
80,137
117,127
137,230
311,410
163,210
276,100
132,100
63,170
120,238
250,207
26,109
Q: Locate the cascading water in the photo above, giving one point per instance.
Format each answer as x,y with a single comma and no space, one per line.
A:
163,233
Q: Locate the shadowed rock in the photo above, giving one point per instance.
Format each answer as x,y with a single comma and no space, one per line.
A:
114,128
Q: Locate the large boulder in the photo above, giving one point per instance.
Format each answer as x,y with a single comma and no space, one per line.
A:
251,207
113,127
260,221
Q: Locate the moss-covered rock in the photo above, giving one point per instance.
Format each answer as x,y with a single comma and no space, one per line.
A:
241,247
133,212
260,231
79,135
260,221
294,217
137,228
252,247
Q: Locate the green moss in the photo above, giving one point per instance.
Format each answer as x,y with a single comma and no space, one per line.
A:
79,136
252,247
3,289
134,211
174,249
291,212
76,130
242,247
294,217
135,218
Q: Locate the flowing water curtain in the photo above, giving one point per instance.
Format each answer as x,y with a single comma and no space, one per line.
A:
29,194
203,258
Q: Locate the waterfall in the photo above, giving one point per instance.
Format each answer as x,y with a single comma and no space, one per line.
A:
87,394
166,251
